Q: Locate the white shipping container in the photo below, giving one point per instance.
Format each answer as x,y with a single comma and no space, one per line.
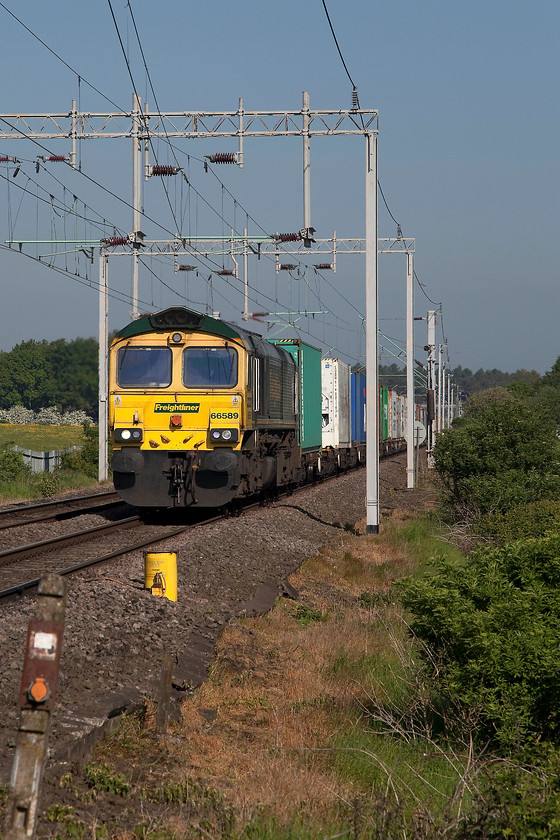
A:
393,415
335,399
397,415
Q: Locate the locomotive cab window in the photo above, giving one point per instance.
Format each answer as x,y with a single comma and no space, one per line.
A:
144,367
209,367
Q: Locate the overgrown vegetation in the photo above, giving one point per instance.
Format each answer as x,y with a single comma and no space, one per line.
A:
501,454
78,468
487,627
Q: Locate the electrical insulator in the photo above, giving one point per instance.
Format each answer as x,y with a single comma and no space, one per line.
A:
287,237
186,267
5,159
223,157
287,266
355,101
226,272
57,158
116,240
323,266
164,169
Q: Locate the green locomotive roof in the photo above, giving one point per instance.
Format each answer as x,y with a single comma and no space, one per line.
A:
181,318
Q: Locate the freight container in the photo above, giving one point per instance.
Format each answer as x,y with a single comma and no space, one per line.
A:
393,415
335,387
308,361
383,412
358,406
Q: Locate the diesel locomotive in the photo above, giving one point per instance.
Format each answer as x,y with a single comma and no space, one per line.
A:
204,412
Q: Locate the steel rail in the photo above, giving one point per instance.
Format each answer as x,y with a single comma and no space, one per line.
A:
225,514
73,503
19,588
66,539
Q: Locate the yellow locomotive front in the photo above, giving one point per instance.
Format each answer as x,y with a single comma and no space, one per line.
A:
180,402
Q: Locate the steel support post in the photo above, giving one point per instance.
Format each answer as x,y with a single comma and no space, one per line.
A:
439,390
306,163
431,346
410,371
73,134
245,277
136,195
372,372
103,365
240,152
36,700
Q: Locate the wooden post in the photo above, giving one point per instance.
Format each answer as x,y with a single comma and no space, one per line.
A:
36,699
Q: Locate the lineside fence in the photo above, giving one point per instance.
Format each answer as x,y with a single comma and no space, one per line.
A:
40,462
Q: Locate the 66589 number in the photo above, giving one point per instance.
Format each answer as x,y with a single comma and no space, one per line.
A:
224,415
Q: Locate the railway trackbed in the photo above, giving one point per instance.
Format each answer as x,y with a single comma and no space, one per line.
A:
22,566
58,510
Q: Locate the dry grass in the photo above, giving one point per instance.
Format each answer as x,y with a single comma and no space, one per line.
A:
258,730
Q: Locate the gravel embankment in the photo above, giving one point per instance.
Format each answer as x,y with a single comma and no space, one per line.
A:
116,632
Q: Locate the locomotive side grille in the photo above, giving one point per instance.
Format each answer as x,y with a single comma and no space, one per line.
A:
288,392
275,389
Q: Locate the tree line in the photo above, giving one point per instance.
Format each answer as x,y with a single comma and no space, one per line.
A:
61,373
38,374
394,377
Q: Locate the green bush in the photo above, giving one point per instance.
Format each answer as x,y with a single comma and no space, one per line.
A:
519,801
501,454
85,459
535,519
12,465
492,626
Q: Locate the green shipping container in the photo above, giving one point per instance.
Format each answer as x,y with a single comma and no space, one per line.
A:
308,361
384,412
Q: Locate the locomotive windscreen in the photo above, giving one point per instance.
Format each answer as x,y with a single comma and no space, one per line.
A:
144,367
209,367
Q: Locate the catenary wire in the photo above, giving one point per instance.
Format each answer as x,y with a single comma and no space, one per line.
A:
109,100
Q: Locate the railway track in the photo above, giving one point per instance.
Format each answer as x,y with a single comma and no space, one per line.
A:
23,565
58,510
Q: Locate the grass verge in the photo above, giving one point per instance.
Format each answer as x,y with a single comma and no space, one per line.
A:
41,437
43,485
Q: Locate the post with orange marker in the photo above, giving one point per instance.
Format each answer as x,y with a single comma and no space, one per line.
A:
36,700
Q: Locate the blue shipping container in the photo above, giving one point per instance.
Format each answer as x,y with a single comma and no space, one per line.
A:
358,406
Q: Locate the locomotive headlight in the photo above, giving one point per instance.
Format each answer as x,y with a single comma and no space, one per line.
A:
224,435
133,435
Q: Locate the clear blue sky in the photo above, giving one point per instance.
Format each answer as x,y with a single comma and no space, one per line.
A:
468,160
